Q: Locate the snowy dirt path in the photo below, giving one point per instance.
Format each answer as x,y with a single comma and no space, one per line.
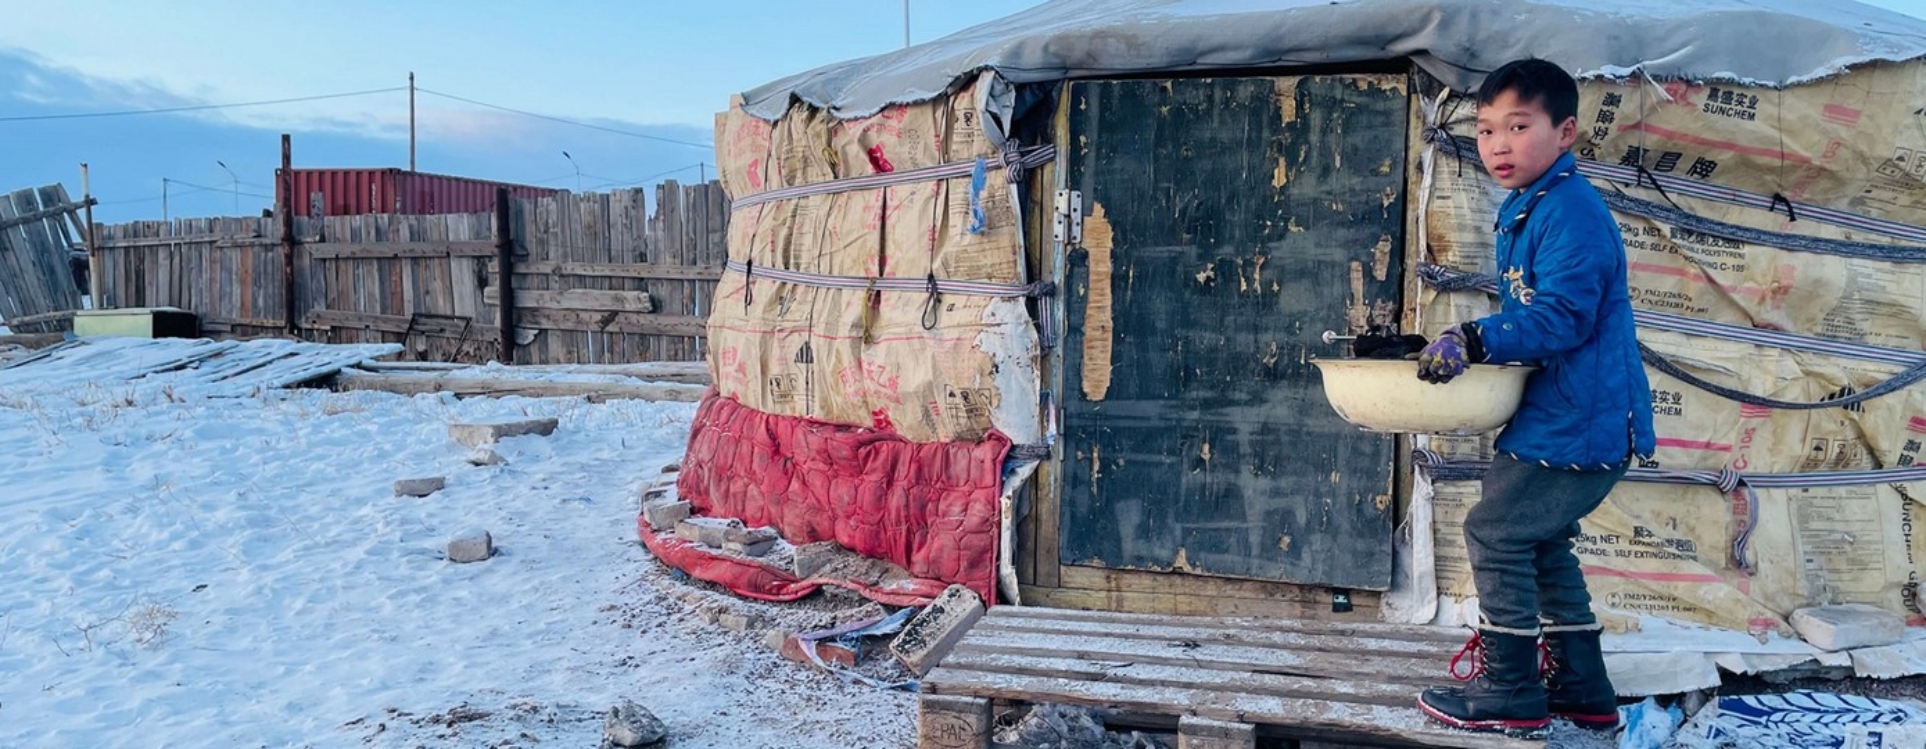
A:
236,572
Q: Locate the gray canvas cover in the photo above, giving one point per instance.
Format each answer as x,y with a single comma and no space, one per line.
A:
1757,42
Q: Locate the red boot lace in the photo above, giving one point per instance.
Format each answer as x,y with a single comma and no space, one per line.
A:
1473,653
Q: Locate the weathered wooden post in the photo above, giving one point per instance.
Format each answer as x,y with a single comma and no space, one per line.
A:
505,266
286,209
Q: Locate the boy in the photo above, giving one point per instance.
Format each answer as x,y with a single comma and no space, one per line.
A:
1585,412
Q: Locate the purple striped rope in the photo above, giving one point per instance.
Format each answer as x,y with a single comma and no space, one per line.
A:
1466,148
1046,316
1725,480
1030,159
1453,280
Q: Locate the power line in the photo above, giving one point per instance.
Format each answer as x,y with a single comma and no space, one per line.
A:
198,189
198,107
523,113
222,189
655,176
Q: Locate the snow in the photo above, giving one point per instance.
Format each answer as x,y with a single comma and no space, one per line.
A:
190,570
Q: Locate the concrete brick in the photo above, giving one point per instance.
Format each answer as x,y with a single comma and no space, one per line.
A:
482,456
1848,626
756,549
478,435
735,622
953,722
663,516
657,492
750,535
421,487
471,546
930,636
812,558
706,531
774,639
1194,732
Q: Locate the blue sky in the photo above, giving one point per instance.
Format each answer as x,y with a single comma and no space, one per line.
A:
657,68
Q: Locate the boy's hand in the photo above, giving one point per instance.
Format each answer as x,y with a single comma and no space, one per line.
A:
1445,358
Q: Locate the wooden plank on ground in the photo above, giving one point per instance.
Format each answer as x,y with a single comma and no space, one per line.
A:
39,319
1222,657
1267,636
1180,604
1440,635
686,372
32,340
389,250
578,299
1182,675
1375,723
432,382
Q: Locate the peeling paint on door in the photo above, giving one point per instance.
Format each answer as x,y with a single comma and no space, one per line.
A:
1097,320
1357,311
1381,258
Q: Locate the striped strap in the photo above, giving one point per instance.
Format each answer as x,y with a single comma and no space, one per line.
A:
1729,482
1013,162
1446,279
922,285
931,285
1466,148
1623,203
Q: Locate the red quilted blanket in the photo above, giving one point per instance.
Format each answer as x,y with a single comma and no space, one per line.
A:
930,508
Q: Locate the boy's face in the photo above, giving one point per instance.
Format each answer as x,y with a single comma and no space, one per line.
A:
1518,141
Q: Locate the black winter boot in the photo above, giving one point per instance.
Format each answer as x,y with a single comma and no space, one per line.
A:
1576,686
1503,692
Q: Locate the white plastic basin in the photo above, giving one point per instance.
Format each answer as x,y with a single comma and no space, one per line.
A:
1385,395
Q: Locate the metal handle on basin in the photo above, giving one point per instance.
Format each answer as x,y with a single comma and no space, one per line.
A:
1331,336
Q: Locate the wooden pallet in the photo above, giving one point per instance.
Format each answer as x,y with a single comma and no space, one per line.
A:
1221,680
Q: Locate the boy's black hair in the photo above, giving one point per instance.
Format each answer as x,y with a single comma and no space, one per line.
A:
1534,81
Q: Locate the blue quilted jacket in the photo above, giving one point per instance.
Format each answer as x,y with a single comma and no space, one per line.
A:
1566,308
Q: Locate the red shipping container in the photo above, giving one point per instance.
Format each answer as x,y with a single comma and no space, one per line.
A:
355,192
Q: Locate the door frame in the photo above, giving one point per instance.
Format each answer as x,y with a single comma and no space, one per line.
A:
1043,578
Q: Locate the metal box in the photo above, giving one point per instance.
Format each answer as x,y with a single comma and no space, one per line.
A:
137,322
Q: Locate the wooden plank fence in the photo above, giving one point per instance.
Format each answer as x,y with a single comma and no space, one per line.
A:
597,278
38,232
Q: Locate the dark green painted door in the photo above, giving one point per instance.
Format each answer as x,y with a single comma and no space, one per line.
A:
1240,218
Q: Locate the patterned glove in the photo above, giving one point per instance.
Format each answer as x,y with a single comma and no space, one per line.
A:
1445,358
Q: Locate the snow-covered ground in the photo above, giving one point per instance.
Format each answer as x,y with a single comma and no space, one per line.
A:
190,571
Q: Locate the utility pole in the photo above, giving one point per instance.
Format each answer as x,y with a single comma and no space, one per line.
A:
163,198
286,208
93,243
411,120
906,43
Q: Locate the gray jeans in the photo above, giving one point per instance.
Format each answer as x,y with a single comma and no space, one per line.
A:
1520,538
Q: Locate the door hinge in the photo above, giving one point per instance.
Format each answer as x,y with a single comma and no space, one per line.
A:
1069,223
